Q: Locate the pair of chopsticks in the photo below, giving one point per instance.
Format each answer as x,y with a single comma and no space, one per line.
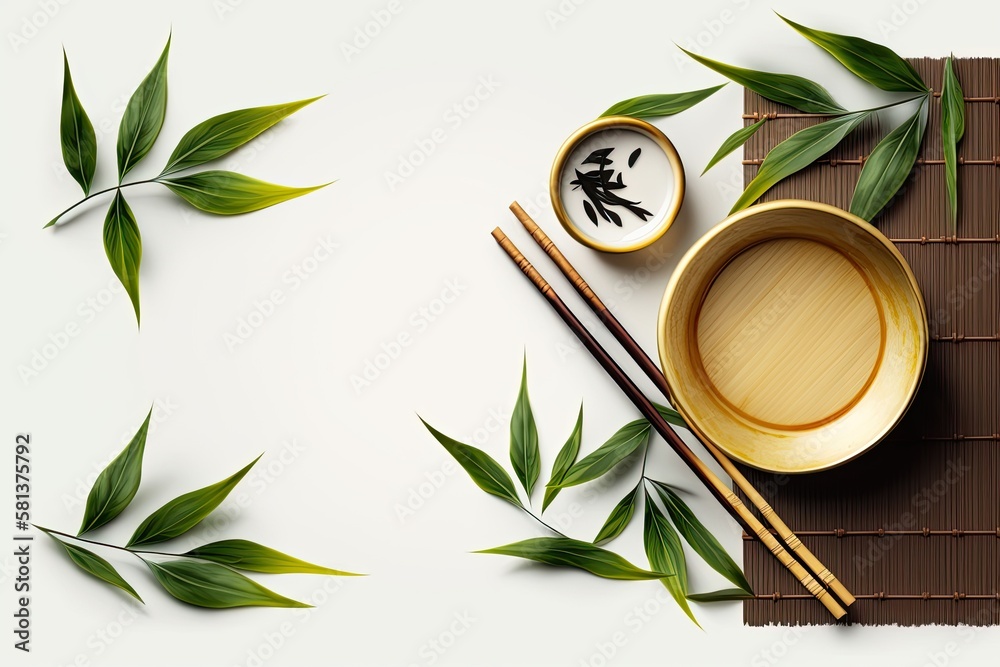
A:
750,523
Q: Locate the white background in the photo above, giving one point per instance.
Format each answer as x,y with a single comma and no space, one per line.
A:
358,456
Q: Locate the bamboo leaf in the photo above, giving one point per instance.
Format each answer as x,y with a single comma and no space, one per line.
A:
566,552
876,64
229,193
524,454
123,246
253,557
226,132
206,584
484,471
795,91
655,106
619,517
564,460
117,484
93,564
720,596
952,130
888,166
185,512
665,552
700,539
625,441
76,134
798,152
143,118
670,415
734,141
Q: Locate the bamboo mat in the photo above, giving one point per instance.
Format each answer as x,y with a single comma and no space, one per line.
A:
912,528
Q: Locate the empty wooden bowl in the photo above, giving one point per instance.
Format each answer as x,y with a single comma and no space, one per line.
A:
793,336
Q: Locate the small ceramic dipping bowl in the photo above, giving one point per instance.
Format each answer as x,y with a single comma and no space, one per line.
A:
793,336
617,184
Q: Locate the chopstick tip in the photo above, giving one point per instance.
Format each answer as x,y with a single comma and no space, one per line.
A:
498,234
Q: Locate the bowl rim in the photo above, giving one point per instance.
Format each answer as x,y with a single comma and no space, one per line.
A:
923,330
607,123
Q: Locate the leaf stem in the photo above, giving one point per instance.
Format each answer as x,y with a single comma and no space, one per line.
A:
134,552
541,521
101,192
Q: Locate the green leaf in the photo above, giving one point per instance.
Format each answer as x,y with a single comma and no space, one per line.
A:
76,134
564,460
484,471
123,246
665,552
117,484
90,562
734,141
567,552
888,166
625,441
670,415
798,152
700,539
720,596
229,193
206,584
226,132
619,517
143,116
655,106
952,130
795,91
524,454
185,512
253,557
876,64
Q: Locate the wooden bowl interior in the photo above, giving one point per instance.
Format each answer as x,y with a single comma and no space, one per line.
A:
793,336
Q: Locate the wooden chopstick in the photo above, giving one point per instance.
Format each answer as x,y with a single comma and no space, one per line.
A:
653,372
722,493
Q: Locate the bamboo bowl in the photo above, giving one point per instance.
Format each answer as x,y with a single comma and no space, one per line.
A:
793,336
